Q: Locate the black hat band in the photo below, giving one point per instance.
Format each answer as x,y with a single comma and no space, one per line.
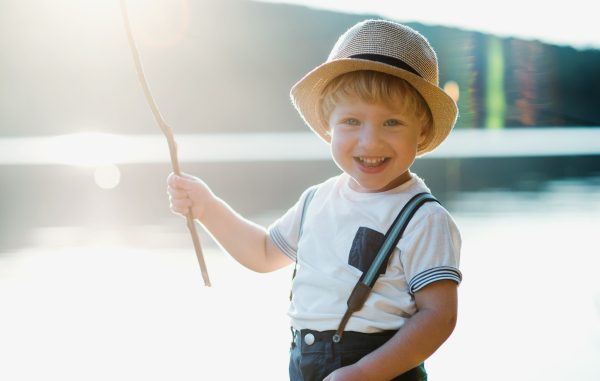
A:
386,60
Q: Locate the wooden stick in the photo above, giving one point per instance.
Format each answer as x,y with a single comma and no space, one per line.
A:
168,134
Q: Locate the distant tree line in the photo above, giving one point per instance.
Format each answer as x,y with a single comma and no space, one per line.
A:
233,63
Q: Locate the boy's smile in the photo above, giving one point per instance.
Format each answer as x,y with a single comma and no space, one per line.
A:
374,143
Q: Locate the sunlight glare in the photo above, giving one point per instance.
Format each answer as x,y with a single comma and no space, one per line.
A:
161,23
91,149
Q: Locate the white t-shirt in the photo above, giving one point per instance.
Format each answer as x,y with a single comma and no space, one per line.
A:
341,228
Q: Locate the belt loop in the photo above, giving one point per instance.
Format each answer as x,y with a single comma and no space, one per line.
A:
294,333
328,338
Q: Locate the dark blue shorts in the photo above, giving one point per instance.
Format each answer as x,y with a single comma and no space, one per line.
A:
315,362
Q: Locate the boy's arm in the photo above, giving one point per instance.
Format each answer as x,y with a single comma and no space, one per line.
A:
246,242
418,339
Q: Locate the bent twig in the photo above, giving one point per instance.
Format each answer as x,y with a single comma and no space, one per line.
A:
168,134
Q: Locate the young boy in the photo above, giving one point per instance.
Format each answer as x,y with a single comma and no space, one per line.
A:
377,103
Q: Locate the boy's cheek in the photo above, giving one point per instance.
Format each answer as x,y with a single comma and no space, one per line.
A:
336,149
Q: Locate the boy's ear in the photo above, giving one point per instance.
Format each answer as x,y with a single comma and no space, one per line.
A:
424,132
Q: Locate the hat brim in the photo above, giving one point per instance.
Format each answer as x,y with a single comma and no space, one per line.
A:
305,96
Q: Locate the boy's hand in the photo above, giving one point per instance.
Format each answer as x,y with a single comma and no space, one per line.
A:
348,373
186,192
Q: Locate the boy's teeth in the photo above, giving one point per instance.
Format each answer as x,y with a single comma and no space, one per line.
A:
371,162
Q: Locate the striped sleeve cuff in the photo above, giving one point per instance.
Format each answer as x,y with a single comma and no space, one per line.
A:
281,243
433,275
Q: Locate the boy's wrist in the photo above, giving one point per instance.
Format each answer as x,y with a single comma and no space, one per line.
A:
368,372
207,209
375,367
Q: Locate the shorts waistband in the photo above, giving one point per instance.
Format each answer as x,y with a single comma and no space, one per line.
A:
311,341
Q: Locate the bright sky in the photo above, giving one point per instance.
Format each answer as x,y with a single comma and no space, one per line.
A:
573,22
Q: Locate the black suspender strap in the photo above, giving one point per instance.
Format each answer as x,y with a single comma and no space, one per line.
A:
309,197
366,282
307,201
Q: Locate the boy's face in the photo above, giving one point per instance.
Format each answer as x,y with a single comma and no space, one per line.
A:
374,144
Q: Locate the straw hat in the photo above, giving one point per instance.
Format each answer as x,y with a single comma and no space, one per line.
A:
386,47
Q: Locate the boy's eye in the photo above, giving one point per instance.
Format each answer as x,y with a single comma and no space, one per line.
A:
352,122
391,122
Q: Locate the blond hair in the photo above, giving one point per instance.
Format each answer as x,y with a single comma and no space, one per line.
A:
374,87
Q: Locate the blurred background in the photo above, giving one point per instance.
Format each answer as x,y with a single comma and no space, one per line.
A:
98,280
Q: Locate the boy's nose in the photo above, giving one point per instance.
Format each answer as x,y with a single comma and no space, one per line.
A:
370,137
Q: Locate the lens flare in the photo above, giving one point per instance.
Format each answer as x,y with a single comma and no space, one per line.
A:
451,88
107,176
495,96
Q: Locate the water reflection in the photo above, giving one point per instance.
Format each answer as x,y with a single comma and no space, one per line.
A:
530,300
129,303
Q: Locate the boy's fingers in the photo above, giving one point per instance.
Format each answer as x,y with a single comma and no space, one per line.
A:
182,183
176,193
181,202
174,181
182,211
171,180
186,176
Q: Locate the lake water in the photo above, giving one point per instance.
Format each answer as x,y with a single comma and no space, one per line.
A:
83,304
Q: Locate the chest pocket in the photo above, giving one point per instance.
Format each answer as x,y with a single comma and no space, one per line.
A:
365,247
